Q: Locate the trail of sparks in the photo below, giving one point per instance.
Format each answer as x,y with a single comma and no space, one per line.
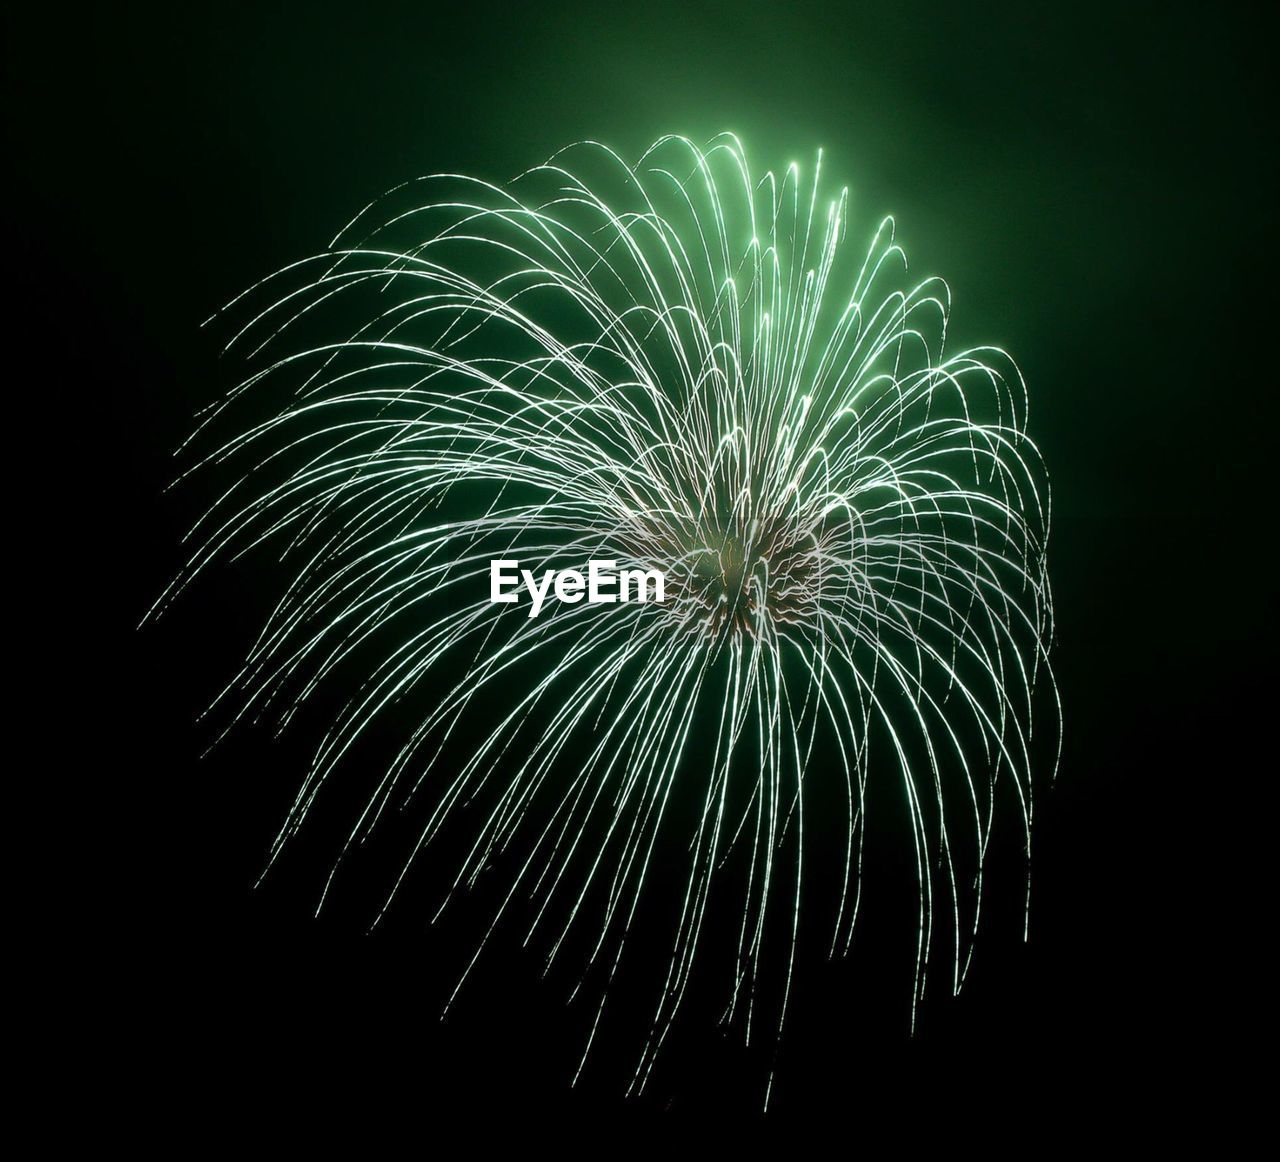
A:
645,364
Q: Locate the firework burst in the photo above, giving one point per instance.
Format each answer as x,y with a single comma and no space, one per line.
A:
670,366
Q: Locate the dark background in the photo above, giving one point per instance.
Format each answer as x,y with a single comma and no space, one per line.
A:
1093,181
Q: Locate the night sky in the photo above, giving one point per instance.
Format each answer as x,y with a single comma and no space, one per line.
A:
1094,182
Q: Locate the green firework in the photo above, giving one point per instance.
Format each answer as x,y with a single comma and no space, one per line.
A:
671,366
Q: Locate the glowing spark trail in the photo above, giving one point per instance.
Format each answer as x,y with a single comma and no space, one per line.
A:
670,366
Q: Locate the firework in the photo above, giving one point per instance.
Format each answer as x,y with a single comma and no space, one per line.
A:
675,370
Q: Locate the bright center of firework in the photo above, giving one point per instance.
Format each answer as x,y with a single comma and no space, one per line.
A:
726,577
737,579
